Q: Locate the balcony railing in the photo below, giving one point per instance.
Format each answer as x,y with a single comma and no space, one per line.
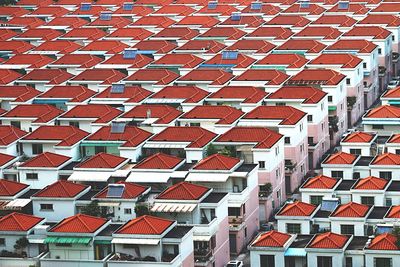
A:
235,222
116,261
202,255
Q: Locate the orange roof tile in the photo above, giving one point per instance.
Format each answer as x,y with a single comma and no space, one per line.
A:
197,137
217,162
66,135
61,189
223,114
131,191
310,94
145,225
271,239
164,114
384,242
45,160
340,158
159,161
79,223
101,161
184,191
320,182
10,188
358,137
18,222
286,114
263,138
386,159
351,210
328,241
297,208
371,183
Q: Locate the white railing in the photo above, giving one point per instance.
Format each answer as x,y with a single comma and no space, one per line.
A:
48,262
176,262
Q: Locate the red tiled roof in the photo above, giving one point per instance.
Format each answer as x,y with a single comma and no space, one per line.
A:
265,9
58,46
329,241
358,137
101,161
361,46
248,94
154,21
61,189
181,10
271,77
340,158
286,114
394,212
66,135
197,137
179,60
136,10
190,94
109,46
229,33
131,191
279,33
85,33
384,241
353,8
99,112
45,160
13,11
25,22
145,225
138,62
19,93
33,61
309,46
345,60
246,21
292,20
40,112
79,223
386,159
394,139
214,76
392,7
242,61
10,188
217,162
297,208
132,136
224,114
288,60
6,34
310,94
159,161
351,210
71,22
158,46
323,76
363,31
383,112
133,93
320,182
163,113
259,46
75,93
15,47
18,222
184,191
392,93
371,183
49,76
312,9
9,134
206,46
204,21
156,76
381,19
114,22
54,11
340,20
271,239
177,33
263,137
131,33
7,76
105,76
221,9
44,34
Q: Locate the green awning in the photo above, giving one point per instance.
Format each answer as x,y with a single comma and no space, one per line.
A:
67,240
102,242
331,108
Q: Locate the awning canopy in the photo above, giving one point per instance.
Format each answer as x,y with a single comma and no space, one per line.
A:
88,176
109,204
165,145
149,177
173,207
137,241
67,240
201,238
207,177
295,252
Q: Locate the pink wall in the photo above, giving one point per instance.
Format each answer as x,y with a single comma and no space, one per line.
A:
188,261
221,250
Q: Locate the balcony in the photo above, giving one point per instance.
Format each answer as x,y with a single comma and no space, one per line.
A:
120,259
202,257
382,71
235,222
289,166
7,261
395,57
46,261
239,197
208,229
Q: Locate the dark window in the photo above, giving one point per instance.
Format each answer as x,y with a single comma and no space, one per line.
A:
397,151
356,175
233,211
337,174
46,206
128,211
349,262
99,149
377,127
364,65
385,175
368,201
74,123
267,260
261,164
355,151
309,118
324,261
2,241
315,200
329,98
31,176
37,149
383,262
293,228
379,51
347,81
16,124
347,229
287,140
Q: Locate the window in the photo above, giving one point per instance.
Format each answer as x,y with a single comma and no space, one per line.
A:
337,174
276,151
301,127
329,98
347,229
293,228
356,175
128,211
46,207
324,261
99,149
281,104
385,175
349,262
316,200
37,149
377,127
348,81
74,123
364,65
388,202
393,38
309,118
310,141
379,51
245,232
16,124
368,201
383,262
194,124
287,140
233,211
261,164
31,176
2,241
397,151
267,260
355,151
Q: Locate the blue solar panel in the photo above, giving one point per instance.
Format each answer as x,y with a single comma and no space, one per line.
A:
86,6
235,16
329,205
118,127
212,4
105,16
256,6
304,4
343,5
115,190
229,54
117,88
127,6
130,53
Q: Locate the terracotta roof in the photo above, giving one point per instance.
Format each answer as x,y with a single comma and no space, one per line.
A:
158,46
41,113
205,46
159,161
204,21
15,46
358,137
163,113
247,21
48,76
66,135
394,139
383,112
371,183
340,20
190,94
381,19
24,22
392,93
345,60
319,76
10,188
114,22
133,93
155,76
71,22
138,62
277,33
228,33
248,94
74,93
197,137
31,60
361,46
394,212
61,189
43,34
6,34
328,241
184,191
271,77
221,9
363,31
101,161
292,20
223,114
340,158
7,76
181,10
384,241
310,94
288,60
132,136
136,10
98,112
131,33
104,76
258,46
286,114
312,9
109,46
391,7
242,61
179,60
297,208
213,76
353,8
18,222
265,9
177,33
54,11
13,11
145,225
351,210
79,223
320,182
9,134
271,239
263,138
154,21
45,160
307,45
131,191
217,162
386,159
58,47
19,93
84,33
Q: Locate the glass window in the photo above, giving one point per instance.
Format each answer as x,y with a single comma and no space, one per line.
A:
309,118
337,174
355,151
261,164
385,175
46,207
349,262
383,262
388,202
316,200
31,176
347,229
324,261
293,228
37,149
368,201
267,260
287,140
